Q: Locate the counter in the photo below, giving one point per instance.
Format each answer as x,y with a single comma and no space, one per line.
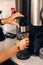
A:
31,61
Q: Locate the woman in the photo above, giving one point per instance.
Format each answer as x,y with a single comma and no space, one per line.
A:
21,45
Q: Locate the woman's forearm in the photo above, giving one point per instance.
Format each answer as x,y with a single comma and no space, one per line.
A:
8,20
6,54
4,20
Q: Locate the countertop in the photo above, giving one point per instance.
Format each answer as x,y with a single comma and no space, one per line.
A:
31,61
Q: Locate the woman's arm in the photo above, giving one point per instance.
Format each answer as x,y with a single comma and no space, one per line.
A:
20,45
6,54
4,21
7,21
11,19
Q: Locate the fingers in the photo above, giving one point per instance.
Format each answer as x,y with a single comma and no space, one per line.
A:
20,15
17,24
17,15
10,19
23,43
26,39
26,46
14,23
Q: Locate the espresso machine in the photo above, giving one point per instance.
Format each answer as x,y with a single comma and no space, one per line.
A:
29,27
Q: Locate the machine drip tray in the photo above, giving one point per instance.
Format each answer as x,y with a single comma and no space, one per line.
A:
23,55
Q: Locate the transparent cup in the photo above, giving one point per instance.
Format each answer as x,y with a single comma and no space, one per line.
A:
22,35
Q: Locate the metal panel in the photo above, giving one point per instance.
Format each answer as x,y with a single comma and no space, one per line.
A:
35,12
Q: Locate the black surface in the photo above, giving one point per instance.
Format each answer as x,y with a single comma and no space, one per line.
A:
10,35
26,11
23,55
38,42
2,37
34,30
8,62
0,12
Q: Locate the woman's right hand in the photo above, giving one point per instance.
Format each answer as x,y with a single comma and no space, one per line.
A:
23,43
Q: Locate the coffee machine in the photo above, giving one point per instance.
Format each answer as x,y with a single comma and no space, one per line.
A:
29,27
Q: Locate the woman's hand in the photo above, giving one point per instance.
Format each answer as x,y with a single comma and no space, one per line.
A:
16,15
23,43
11,19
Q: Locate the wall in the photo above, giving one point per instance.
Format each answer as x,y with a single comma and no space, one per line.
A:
5,6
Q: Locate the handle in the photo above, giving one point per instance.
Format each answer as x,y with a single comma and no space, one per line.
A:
41,16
